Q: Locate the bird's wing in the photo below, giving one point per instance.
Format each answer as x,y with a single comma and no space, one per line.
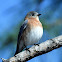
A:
20,44
24,25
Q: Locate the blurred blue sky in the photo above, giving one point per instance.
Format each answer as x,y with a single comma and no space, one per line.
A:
12,13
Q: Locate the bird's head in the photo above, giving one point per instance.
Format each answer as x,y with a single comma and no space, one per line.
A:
32,14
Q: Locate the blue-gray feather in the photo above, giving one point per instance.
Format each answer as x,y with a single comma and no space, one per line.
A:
21,47
22,28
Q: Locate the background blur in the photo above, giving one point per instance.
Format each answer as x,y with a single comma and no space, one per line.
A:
12,13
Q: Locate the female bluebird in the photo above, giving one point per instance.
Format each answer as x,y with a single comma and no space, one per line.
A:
30,32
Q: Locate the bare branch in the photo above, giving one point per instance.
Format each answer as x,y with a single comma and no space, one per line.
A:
43,48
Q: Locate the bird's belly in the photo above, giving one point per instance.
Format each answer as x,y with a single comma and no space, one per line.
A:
34,35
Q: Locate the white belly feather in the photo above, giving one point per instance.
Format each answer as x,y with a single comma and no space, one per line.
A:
34,35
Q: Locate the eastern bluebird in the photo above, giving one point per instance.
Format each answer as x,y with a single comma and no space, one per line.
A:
30,32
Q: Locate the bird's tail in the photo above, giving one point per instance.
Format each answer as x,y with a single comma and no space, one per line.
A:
17,51
20,47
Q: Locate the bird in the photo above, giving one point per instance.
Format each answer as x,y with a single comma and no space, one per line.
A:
31,31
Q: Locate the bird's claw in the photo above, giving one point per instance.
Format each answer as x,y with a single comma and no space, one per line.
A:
27,49
36,44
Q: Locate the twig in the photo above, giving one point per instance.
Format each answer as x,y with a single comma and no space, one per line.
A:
43,48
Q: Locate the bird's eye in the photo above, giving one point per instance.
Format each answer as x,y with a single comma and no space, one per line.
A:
33,14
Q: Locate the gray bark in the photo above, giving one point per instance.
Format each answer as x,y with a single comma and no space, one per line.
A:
36,50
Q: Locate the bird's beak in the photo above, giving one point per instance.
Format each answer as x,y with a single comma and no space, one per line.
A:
39,14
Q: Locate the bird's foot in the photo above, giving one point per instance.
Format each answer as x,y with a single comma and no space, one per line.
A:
36,44
27,49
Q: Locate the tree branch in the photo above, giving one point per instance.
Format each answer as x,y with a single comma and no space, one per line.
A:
43,48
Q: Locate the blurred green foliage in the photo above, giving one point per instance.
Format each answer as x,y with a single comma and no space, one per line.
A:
13,15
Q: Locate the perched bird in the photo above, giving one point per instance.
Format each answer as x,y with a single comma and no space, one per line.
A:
30,32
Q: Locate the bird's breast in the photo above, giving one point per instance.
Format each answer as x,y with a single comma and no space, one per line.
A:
34,31
34,35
